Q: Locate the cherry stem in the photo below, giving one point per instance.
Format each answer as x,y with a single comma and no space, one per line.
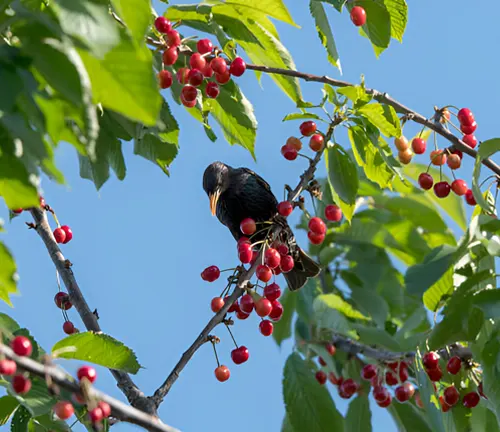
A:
304,156
485,180
229,269
231,334
215,352
457,128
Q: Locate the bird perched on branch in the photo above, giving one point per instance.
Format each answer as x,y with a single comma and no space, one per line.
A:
239,193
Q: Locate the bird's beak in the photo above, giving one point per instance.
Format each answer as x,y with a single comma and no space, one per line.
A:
213,201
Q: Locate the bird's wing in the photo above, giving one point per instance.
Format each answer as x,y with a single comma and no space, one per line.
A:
259,179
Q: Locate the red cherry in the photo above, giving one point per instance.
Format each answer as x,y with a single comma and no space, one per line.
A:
368,372
308,128
64,410
234,307
444,406
343,394
385,403
333,213
454,365
263,273
321,361
219,65
315,238
294,142
210,274
245,253
272,291
418,400
430,360
479,390
195,77
170,56
276,271
287,263
197,61
237,67
459,187
207,71
316,142
425,181
331,349
289,153
162,24
248,226
21,384
69,233
68,327
333,379
222,373
242,315
358,16
189,93
404,392
7,367
470,140
435,375
391,378
442,189
321,377
403,372
61,300
469,198
469,129
105,408
87,372
285,208
17,211
243,240
418,145
59,235
183,75
272,258
438,157
240,355
380,394
246,303
470,400
317,226
212,90
21,346
349,386
263,307
204,46
187,104
451,395
282,249
266,327
465,116
277,310
173,38
223,78
42,202
217,304
165,78
96,415
458,153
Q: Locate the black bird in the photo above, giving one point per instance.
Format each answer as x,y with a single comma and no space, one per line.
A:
239,193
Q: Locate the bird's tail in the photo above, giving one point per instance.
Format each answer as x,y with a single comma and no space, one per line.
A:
305,267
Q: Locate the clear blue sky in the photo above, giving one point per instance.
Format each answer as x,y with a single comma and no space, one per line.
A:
140,245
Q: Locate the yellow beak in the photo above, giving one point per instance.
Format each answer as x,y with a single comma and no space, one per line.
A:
213,201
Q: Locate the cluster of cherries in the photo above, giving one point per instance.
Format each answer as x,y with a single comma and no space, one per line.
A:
293,145
201,69
358,16
62,301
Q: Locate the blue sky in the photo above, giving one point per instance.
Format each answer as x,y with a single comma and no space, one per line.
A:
140,245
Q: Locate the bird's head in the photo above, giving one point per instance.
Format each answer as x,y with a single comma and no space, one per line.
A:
215,182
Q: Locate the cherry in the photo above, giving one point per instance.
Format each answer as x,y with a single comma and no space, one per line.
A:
42,202
21,384
349,387
105,408
263,307
242,315
7,367
331,349
418,400
217,304
308,128
380,393
165,78
243,240
358,16
451,395
197,61
405,392
173,38
458,153
246,303
385,403
469,198
170,56
317,226
207,71
234,307
418,145
430,360
219,65
68,327
195,77
237,67
425,181
435,374
368,372
282,249
470,400
287,263
277,271
343,394
64,410
401,143
321,377
87,372
469,129
333,213
316,142
96,415
189,93
334,380
78,398
245,253
459,187
59,235
454,161
391,378
285,208
272,291
266,327
183,75
204,46
212,90
405,157
465,116
248,226
289,153
403,372
444,406
223,78
187,104
272,258
479,390
321,361
438,157
222,373
294,142
61,300
277,310
454,365
240,355
210,274
470,140
162,24
17,211
263,273
442,189
21,346
315,238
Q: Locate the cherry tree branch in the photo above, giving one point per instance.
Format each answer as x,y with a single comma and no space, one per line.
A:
120,410
134,395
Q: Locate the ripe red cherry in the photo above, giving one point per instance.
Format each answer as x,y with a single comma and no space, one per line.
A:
333,213
469,198
470,140
321,377
266,327
195,77
237,67
458,153
212,90
385,403
334,380
240,355
308,128
479,390
263,307
287,263
358,16
210,274
289,153
272,291
162,24
317,226
248,226
315,238
418,145
223,78
272,258
438,157
442,189
454,365
321,361
391,378
316,142
234,307
21,346
245,253
59,235
243,240
294,142
217,304
222,373
451,395
105,408
465,116
170,56
21,384
368,372
241,315
61,300
17,211
197,61
96,415
380,393
165,78
285,208
87,372
7,367
187,104
183,75
204,46
435,375
403,372
454,161
404,392
470,400
430,360
173,38
331,349
207,71
64,410
246,303
189,93
68,327
425,181
277,310
469,129
349,387
263,273
219,65
282,249
459,187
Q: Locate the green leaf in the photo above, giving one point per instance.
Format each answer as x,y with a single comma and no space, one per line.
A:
7,324
398,10
8,404
408,418
303,115
359,416
11,85
325,32
15,186
438,292
354,93
384,117
378,24
20,420
342,174
305,300
334,301
8,276
136,14
283,327
329,317
273,8
48,422
375,336
100,349
309,406
489,302
486,149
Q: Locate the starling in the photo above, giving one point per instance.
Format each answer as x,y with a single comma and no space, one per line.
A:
239,193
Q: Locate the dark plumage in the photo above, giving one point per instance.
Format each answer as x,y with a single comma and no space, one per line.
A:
239,193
